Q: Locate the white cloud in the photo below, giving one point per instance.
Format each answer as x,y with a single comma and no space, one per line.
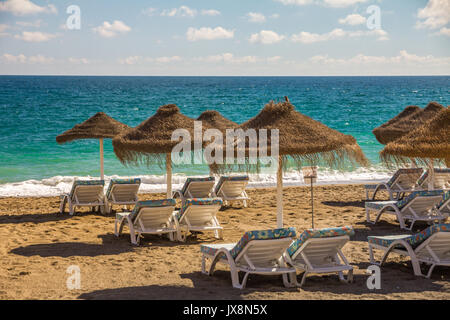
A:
329,3
25,7
3,28
308,37
402,58
353,20
130,60
275,16
436,14
256,17
35,36
109,30
274,59
182,11
266,37
21,58
166,59
445,32
149,11
228,58
34,24
210,12
205,33
79,60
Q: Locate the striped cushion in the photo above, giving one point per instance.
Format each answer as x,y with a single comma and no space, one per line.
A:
378,205
77,183
236,248
414,240
121,181
229,178
151,204
198,202
403,171
189,180
319,233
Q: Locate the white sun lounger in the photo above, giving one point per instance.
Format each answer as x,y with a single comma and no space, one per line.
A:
319,251
198,215
232,189
195,188
123,192
431,247
84,193
258,252
441,179
418,206
444,206
401,182
148,217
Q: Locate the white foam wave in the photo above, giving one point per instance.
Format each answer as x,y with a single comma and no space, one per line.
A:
57,185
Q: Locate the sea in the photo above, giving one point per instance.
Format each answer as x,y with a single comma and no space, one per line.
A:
35,109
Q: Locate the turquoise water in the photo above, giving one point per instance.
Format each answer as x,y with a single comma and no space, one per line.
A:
35,109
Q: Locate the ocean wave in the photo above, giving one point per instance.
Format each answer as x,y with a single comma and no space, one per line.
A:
57,185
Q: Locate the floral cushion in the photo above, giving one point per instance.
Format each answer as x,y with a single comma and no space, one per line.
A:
151,203
121,181
399,172
414,240
319,233
77,183
236,248
198,202
189,180
444,200
229,178
424,176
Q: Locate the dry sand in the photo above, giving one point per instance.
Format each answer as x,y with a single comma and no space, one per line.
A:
38,244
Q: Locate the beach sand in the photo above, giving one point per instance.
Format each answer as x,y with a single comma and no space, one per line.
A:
38,245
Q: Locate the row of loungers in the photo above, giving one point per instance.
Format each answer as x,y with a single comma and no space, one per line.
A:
124,192
409,180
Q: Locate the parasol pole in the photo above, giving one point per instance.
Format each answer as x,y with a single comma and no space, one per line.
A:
431,174
102,174
169,175
280,192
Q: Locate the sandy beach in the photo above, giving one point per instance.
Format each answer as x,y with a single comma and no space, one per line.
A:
38,245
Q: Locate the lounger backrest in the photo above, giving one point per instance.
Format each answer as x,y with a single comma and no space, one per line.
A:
320,243
231,186
124,190
444,205
261,236
441,179
421,201
153,213
439,243
200,211
198,187
405,178
87,191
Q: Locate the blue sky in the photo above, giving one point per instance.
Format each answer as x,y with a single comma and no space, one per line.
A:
226,37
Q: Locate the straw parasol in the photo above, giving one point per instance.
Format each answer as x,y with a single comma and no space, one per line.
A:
303,139
152,139
411,117
216,120
424,144
100,126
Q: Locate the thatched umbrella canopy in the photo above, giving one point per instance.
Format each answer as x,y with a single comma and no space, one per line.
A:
304,139
152,139
100,126
216,120
411,117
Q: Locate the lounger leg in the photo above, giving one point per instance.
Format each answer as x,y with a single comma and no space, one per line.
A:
116,231
303,279
62,205
245,203
349,276
368,216
430,271
290,280
71,208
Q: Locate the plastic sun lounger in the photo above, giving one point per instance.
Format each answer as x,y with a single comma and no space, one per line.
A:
122,192
401,182
444,206
258,252
319,251
232,189
148,217
195,188
418,206
198,215
84,193
431,246
441,179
